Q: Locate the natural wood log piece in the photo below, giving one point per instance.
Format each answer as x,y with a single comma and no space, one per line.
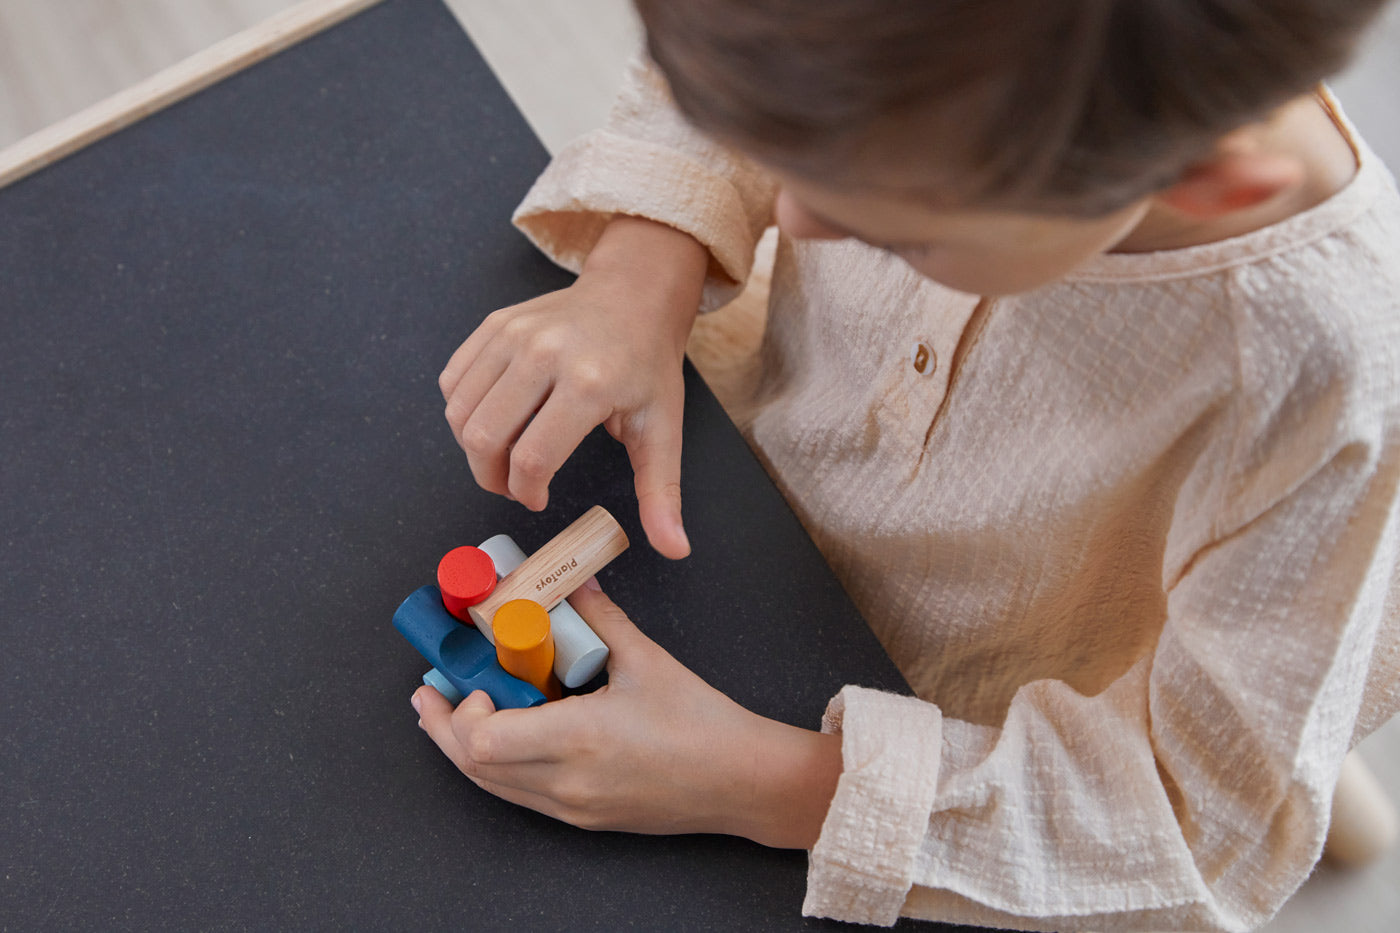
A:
558,568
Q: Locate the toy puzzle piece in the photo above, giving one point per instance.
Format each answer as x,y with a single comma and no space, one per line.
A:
550,641
579,654
525,645
466,576
558,568
439,682
459,653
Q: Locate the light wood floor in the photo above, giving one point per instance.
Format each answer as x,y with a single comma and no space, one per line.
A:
560,60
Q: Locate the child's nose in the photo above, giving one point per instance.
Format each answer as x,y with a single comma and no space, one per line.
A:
798,222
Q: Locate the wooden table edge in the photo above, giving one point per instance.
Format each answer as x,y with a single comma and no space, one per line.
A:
174,84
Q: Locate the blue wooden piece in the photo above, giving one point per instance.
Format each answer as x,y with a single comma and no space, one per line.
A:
439,682
460,653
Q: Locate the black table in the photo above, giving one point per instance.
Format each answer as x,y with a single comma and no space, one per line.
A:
222,465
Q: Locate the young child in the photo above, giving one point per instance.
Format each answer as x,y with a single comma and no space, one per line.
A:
1082,368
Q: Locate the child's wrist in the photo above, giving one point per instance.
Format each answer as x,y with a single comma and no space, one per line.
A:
790,786
650,272
651,255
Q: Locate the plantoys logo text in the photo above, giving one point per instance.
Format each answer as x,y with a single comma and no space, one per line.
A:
557,574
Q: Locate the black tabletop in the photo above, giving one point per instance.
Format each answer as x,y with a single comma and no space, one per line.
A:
223,463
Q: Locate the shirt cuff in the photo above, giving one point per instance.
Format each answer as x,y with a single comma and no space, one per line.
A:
862,866
603,174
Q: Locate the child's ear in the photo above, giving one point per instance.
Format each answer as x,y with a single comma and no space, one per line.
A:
1233,178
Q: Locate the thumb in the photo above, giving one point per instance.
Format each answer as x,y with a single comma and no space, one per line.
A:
471,711
608,622
655,453
448,727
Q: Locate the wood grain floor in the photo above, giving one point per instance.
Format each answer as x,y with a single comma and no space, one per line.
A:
560,60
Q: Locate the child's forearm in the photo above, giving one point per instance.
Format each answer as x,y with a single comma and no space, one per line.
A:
792,778
791,773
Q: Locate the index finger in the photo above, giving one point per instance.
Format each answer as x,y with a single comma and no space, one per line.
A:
655,454
466,354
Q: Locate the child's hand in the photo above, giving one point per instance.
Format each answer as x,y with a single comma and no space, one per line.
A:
657,750
525,389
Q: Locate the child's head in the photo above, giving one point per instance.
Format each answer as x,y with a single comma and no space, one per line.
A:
1066,114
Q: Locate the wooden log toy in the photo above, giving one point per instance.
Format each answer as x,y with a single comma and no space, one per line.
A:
466,576
459,654
558,568
579,655
547,643
525,646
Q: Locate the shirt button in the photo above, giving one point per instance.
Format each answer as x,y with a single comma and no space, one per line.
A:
923,359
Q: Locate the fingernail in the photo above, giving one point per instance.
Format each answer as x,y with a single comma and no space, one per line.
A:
592,584
417,704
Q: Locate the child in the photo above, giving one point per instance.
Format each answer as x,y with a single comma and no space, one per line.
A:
1082,368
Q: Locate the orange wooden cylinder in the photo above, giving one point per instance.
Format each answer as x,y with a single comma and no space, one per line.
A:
524,645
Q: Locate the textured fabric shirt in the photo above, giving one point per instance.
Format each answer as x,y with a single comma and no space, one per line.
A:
1131,538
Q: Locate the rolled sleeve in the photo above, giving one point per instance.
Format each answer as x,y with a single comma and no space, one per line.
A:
1192,793
604,175
863,865
649,162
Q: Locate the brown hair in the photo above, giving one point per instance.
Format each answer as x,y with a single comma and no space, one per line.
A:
1071,106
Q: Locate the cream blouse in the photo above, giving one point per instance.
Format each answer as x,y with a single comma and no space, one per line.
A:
1131,537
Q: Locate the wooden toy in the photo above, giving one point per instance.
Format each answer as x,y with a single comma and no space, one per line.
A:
459,653
524,646
558,568
546,641
439,682
579,655
466,576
